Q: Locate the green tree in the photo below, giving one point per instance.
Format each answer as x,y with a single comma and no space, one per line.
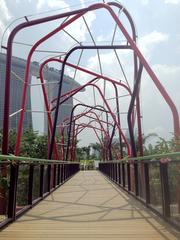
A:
97,148
32,144
162,146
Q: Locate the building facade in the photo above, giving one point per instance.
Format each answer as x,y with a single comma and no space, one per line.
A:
51,77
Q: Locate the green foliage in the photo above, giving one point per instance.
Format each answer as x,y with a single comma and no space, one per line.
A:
32,144
161,146
83,153
4,183
22,185
97,149
87,164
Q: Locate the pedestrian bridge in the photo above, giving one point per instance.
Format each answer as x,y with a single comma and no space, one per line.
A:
52,199
89,206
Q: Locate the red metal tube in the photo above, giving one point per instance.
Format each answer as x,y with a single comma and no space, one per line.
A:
26,78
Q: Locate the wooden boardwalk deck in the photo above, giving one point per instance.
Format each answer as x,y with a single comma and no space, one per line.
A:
88,207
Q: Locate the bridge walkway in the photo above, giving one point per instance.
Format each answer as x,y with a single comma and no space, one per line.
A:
88,207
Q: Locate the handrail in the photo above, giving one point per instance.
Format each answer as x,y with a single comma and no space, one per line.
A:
154,156
153,180
51,174
31,160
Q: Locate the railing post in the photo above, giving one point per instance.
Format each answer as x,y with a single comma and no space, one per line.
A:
30,189
62,173
165,189
49,178
123,175
13,190
115,172
110,170
119,173
54,176
128,176
41,189
58,177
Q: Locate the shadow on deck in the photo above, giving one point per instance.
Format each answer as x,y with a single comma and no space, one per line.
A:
89,207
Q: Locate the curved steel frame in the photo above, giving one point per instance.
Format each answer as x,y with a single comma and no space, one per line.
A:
66,121
82,127
71,120
114,83
97,119
75,15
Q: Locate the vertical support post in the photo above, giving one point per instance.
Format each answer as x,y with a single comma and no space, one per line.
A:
13,190
123,175
165,189
119,173
62,173
54,176
58,177
115,172
41,189
49,177
128,176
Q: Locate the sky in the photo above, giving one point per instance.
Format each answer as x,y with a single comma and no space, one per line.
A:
158,38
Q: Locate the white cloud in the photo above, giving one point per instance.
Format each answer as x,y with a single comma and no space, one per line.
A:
82,3
105,38
18,1
5,16
4,10
170,76
78,28
156,112
52,4
150,40
172,1
145,2
110,64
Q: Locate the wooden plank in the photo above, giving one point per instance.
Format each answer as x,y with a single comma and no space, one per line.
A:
88,207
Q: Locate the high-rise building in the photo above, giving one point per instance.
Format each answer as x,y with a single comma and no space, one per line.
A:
51,77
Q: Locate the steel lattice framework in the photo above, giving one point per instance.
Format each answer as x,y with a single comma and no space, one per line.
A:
104,128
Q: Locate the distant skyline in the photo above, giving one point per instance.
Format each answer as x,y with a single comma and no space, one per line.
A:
158,38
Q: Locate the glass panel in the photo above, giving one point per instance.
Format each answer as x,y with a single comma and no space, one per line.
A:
36,183
174,189
22,187
141,180
132,177
155,186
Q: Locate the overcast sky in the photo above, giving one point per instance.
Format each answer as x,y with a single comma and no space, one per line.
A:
157,25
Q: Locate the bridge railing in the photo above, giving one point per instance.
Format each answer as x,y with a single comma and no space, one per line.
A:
154,180
26,181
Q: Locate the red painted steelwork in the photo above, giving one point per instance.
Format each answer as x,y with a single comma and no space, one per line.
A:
26,78
79,13
9,58
109,109
8,65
